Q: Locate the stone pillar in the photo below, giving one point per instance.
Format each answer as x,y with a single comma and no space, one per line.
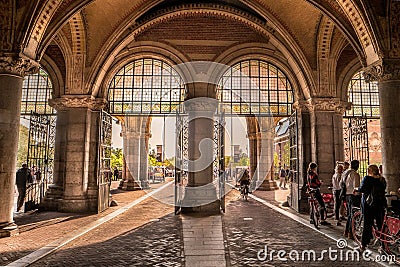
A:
327,143
253,153
144,147
265,140
76,160
131,151
12,71
387,73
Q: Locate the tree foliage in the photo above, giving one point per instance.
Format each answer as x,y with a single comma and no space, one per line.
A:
22,145
116,158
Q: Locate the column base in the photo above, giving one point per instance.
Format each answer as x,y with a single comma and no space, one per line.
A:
129,185
8,230
202,199
212,208
52,199
144,185
78,205
268,185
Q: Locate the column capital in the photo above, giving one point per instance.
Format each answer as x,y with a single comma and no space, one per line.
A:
383,70
323,104
18,65
78,101
201,104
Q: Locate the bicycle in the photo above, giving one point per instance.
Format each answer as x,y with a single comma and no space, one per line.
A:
315,209
388,236
244,191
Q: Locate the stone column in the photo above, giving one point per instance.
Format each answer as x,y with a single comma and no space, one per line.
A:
200,194
387,73
131,151
144,147
253,153
12,71
327,143
265,143
298,199
76,161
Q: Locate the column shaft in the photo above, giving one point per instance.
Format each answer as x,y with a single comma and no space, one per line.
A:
389,98
10,108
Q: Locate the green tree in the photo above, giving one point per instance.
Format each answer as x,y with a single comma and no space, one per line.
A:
116,158
244,160
22,145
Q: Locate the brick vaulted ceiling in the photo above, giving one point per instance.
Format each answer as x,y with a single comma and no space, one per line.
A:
298,18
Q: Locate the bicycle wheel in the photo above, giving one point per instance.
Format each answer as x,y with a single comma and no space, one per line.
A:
391,242
315,215
357,226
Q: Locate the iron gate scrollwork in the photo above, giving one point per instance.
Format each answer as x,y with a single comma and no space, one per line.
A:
40,157
181,158
105,173
356,143
219,153
294,162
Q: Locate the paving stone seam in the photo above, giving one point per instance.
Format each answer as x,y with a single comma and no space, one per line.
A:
305,223
52,247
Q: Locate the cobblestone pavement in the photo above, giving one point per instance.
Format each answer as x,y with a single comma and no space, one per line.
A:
38,229
250,226
148,234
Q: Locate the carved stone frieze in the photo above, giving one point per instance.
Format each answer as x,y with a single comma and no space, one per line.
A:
394,24
383,70
323,104
18,65
67,102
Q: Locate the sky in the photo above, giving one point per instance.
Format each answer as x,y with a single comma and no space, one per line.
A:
235,134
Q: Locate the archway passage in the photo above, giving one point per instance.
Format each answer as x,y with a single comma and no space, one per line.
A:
37,136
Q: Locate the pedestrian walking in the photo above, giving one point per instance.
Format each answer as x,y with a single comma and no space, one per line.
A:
282,178
23,178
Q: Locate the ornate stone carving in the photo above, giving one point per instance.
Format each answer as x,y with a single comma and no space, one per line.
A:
383,70
6,25
18,65
394,24
323,104
67,102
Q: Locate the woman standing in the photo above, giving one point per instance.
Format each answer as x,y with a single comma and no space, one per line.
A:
336,178
373,187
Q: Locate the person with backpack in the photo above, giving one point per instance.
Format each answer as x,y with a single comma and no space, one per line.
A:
23,177
282,178
373,187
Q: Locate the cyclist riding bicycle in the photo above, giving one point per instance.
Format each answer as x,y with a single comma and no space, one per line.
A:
244,183
314,183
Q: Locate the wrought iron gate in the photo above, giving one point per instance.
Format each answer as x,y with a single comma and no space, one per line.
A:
181,158
105,173
219,162
40,157
355,132
294,162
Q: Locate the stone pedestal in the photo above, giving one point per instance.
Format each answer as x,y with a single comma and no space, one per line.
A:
12,71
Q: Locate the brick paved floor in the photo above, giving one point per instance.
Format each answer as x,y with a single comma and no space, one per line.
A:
250,226
148,234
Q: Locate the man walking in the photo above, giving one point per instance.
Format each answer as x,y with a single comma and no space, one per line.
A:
23,177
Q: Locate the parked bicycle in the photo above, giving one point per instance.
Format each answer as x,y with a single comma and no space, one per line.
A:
389,234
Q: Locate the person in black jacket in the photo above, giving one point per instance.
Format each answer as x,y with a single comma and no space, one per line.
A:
375,185
23,177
